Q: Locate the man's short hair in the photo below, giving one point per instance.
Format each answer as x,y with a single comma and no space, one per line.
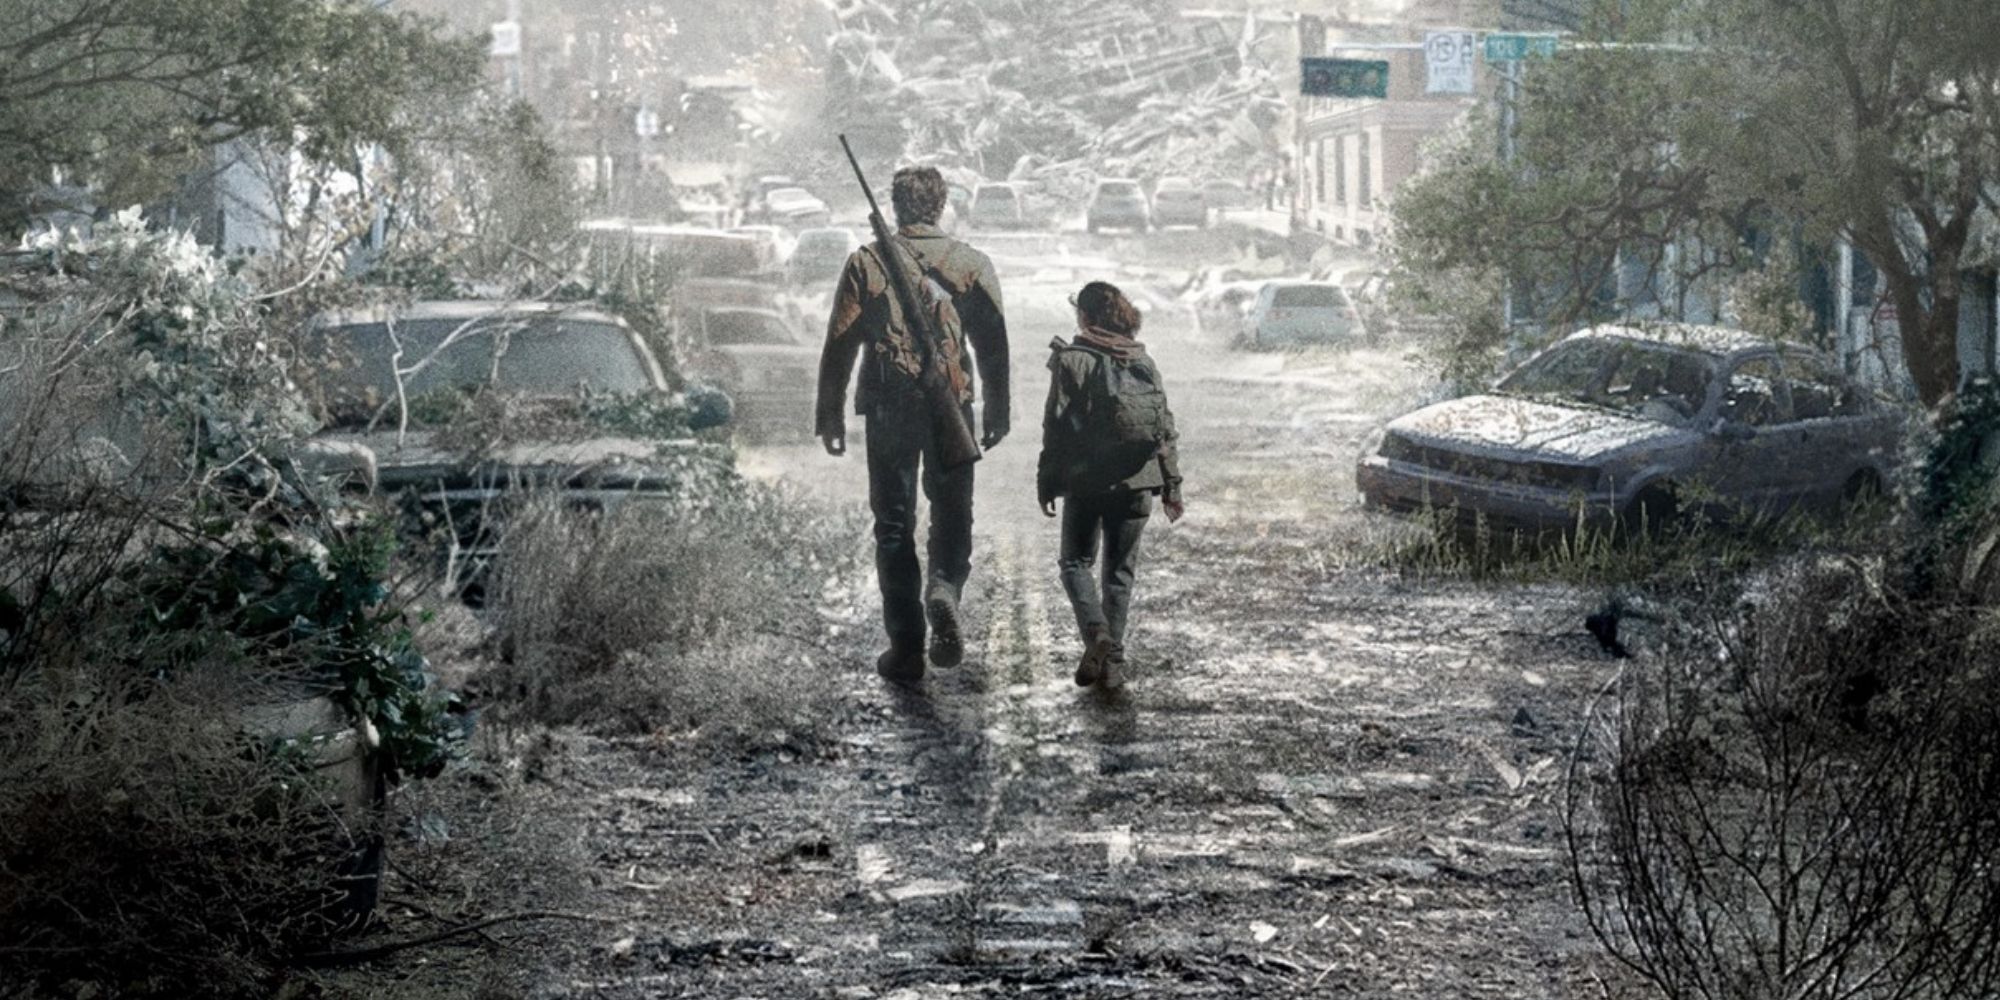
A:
1105,307
919,195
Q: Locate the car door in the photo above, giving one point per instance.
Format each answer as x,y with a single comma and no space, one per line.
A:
1842,434
1751,443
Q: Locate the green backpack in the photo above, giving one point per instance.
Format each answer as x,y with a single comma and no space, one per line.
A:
1125,420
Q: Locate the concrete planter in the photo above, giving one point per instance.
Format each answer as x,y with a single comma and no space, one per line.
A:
347,771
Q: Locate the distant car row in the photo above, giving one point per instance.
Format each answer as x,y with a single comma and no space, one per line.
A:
1118,203
757,251
778,202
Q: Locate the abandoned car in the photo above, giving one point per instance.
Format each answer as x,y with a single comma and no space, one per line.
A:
1641,428
588,419
743,338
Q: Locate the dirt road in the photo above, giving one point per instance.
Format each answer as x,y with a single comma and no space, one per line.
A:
1325,779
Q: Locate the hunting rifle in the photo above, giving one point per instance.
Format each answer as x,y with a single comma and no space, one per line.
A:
956,443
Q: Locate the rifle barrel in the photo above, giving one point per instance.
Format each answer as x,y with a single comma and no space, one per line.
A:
874,209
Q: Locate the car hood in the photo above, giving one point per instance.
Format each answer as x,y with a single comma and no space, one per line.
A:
417,459
1511,427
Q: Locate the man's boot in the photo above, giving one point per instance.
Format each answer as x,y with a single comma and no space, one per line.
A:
902,666
947,634
1096,650
1114,667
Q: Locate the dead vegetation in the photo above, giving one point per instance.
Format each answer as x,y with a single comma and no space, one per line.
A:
202,685
1797,800
148,844
634,620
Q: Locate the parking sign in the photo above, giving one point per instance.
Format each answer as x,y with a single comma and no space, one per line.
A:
1448,56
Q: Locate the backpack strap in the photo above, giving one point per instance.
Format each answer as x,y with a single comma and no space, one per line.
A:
1102,372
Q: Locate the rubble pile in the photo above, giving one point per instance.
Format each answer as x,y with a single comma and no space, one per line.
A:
1053,93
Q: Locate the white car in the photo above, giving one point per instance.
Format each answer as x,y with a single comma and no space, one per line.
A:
796,208
996,206
1119,203
1177,202
1302,313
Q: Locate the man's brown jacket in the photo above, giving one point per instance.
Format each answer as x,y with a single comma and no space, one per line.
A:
861,327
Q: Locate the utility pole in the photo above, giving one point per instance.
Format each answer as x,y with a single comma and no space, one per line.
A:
520,52
1510,96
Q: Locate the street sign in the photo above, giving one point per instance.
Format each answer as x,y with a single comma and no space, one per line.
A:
1322,77
1514,47
506,39
1448,57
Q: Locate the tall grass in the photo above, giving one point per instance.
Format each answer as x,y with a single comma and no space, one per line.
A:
641,619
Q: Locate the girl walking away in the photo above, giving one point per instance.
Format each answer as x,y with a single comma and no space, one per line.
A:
1107,450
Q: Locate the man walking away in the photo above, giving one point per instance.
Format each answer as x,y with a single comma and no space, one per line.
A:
1108,449
867,324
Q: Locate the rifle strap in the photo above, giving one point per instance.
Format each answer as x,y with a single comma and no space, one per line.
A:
933,270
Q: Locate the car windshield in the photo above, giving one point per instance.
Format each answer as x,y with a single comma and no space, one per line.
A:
1306,297
996,194
1651,381
529,356
1178,194
1122,189
747,329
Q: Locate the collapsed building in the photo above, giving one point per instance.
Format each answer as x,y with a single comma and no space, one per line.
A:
1054,93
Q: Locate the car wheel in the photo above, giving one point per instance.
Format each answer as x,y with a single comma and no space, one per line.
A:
1652,514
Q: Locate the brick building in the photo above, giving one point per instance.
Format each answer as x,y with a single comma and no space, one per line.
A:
1352,155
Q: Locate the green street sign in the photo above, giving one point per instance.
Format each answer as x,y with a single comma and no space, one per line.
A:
1323,77
1514,48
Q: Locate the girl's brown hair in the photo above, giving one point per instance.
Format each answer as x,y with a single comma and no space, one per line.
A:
1106,308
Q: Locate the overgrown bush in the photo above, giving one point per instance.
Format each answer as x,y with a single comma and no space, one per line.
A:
1799,799
172,588
1956,500
151,845
652,617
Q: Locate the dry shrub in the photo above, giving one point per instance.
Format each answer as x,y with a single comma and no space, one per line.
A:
167,581
1801,801
149,845
647,618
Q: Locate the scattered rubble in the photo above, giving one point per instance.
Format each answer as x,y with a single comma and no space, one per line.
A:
1052,98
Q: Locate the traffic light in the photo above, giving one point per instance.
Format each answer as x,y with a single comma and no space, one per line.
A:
1321,77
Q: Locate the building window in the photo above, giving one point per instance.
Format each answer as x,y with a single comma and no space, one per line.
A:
1367,173
1340,170
1861,282
1319,173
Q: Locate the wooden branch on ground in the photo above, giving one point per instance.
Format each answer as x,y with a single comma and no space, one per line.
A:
325,959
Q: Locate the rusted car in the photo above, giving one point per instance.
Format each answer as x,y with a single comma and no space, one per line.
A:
1641,428
398,387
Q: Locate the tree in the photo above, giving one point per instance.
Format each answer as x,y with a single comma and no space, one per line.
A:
483,194
122,95
1684,134
1878,120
